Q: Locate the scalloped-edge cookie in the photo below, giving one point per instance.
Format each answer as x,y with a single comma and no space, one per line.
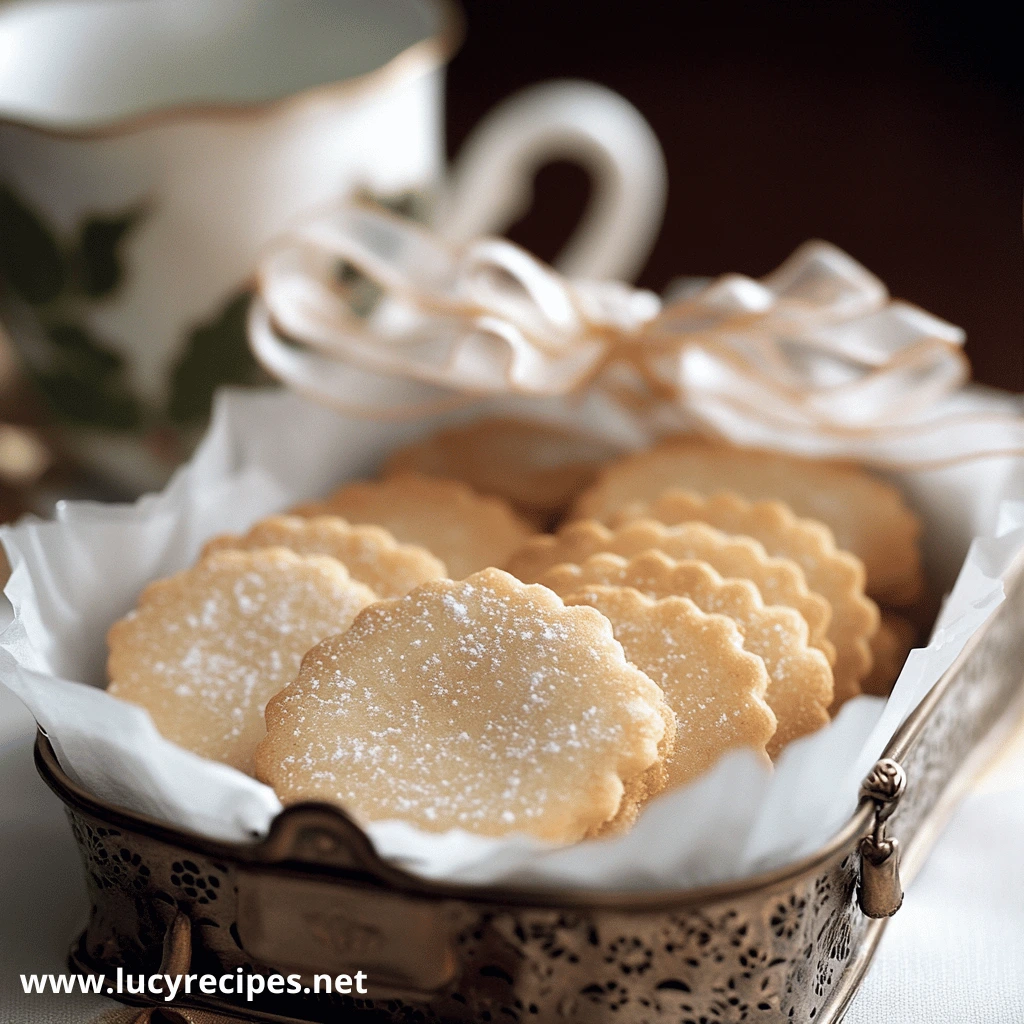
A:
780,580
466,530
837,575
867,516
890,646
799,677
715,688
371,554
207,648
482,704
539,468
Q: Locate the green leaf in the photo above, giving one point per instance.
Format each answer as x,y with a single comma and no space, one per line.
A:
99,261
84,384
77,347
217,353
31,262
86,401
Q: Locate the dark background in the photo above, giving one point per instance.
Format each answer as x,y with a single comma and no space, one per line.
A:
894,130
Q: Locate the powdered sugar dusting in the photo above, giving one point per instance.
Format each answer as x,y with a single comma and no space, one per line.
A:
713,686
482,704
800,680
207,649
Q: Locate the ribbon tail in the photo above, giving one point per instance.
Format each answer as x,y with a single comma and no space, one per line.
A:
939,442
345,387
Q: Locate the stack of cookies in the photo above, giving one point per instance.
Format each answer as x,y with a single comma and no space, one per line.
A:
415,648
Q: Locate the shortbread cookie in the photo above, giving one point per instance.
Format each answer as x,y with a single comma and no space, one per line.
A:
837,575
890,646
637,791
466,530
206,649
370,553
780,580
538,468
867,516
714,686
799,677
481,704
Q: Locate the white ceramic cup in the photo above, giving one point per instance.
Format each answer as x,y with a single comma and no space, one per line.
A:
150,149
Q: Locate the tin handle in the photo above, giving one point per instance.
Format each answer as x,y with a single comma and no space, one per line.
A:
320,834
880,893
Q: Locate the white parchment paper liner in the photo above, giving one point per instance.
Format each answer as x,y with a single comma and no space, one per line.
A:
73,577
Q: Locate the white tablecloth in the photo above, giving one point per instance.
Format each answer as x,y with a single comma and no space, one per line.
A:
954,952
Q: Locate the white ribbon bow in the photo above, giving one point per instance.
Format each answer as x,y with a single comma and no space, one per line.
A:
815,358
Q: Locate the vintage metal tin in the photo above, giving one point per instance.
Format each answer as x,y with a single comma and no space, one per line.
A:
790,945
